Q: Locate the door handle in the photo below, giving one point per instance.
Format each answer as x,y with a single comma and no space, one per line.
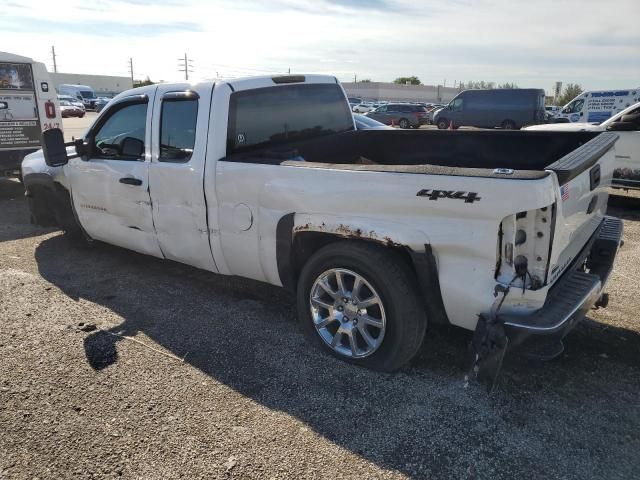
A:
131,181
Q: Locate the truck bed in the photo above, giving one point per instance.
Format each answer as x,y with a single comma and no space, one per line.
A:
472,153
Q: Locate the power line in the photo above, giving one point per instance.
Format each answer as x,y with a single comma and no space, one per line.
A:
185,65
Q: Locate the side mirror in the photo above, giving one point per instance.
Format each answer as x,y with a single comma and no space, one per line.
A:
82,149
132,147
53,147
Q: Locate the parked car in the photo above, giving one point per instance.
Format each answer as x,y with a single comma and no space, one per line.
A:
509,108
405,115
101,102
595,106
73,101
366,123
364,107
431,110
69,110
552,109
353,101
377,231
626,124
83,93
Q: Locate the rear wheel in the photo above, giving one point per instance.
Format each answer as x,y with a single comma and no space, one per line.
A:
443,124
359,302
509,125
404,123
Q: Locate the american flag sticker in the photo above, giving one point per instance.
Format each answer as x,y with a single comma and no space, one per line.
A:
564,192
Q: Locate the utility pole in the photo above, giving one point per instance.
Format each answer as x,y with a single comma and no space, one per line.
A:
131,68
289,71
185,65
355,78
53,55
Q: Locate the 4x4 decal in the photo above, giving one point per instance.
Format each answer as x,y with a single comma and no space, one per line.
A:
468,197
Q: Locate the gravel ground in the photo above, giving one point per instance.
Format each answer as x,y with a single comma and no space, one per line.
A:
214,380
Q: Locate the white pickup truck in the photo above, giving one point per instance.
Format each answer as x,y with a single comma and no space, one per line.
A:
626,124
377,231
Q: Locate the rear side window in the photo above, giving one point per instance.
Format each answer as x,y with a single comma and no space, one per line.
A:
178,129
288,113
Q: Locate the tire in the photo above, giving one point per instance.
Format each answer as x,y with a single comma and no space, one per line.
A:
443,124
404,123
508,125
387,277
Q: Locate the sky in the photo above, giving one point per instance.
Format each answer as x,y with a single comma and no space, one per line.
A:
533,43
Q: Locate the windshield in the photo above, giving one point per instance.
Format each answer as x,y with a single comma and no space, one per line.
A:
277,115
87,94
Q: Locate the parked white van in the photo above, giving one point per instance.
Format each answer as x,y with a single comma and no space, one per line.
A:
83,93
28,106
597,106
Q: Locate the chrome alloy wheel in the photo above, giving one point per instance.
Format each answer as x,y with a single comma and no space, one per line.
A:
347,313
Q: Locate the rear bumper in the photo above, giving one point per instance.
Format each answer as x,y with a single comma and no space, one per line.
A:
575,292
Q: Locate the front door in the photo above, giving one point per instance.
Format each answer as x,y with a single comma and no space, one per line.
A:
110,185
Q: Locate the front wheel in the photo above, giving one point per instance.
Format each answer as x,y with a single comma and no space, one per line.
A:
443,124
359,302
509,125
404,123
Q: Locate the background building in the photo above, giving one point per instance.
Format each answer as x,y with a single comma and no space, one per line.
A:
393,92
102,84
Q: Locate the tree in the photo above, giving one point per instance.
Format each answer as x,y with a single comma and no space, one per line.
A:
410,80
143,83
482,85
571,91
365,80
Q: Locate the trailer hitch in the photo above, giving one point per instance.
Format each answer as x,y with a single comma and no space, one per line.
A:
490,342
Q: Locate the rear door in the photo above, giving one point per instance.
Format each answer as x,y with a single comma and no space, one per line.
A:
110,187
19,121
176,173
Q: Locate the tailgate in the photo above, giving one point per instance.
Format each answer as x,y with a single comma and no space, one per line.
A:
581,198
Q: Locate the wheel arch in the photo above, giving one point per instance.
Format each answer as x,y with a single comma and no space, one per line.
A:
299,236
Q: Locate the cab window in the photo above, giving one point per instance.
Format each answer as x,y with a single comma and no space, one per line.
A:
266,117
122,135
457,104
574,107
178,129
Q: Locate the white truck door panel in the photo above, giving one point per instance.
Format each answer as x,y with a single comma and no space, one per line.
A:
176,174
110,188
